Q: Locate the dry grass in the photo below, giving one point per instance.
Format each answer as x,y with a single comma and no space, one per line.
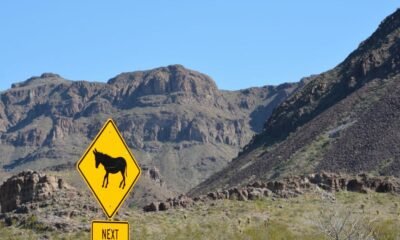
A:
267,219
295,218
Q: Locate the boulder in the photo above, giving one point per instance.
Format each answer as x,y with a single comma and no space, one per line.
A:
212,195
27,187
164,206
238,194
152,207
276,186
154,174
385,186
255,194
267,192
355,185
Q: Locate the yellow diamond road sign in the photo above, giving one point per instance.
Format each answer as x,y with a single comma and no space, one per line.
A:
109,168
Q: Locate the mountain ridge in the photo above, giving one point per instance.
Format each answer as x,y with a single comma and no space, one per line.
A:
174,119
320,126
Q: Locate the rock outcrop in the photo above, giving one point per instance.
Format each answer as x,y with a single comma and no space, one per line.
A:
45,203
174,79
28,187
154,174
287,188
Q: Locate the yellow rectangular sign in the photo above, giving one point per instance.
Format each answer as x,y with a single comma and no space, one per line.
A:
110,230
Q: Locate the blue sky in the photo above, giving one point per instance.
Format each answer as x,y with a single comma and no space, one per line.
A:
238,43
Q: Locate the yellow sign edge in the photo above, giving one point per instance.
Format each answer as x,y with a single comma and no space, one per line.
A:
130,153
104,221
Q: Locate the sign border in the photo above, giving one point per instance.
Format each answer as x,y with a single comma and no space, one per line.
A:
109,121
113,222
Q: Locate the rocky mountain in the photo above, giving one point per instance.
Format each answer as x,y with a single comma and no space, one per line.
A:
174,119
343,120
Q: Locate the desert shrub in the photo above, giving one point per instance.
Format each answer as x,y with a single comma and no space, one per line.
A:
336,223
32,223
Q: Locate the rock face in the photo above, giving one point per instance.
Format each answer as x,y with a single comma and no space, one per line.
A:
45,203
28,187
154,174
165,81
287,188
173,118
343,120
181,201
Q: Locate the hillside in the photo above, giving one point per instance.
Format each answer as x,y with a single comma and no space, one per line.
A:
174,119
343,120
35,205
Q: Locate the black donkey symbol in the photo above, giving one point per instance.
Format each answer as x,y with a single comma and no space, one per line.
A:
111,165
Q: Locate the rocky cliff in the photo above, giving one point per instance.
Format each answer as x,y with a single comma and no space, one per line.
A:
29,187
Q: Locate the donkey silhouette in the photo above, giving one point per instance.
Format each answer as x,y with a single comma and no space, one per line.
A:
111,165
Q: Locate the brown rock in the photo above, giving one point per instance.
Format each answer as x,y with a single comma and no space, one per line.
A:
255,194
152,207
221,195
212,195
164,206
258,184
385,187
275,186
185,201
226,194
355,185
267,192
154,174
238,194
27,187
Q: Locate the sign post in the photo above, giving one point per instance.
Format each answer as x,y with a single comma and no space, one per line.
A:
110,170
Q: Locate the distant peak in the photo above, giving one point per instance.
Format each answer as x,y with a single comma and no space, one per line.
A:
49,75
172,78
44,78
389,25
177,67
393,20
